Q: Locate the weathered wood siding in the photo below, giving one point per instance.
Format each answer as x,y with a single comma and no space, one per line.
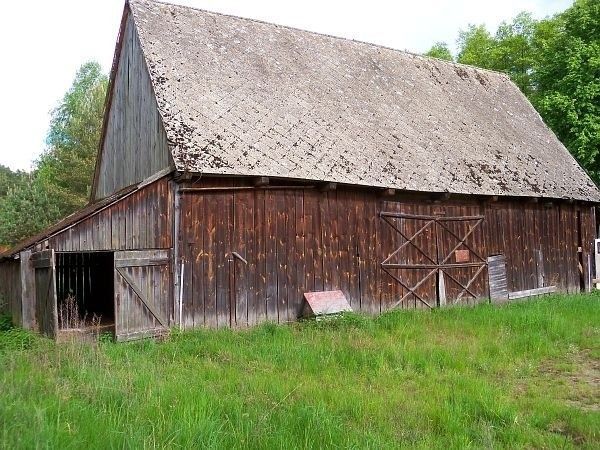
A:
10,289
135,143
142,220
297,240
143,293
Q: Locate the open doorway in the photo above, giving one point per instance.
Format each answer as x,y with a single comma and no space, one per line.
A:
85,292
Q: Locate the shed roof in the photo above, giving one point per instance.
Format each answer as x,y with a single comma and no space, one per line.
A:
244,97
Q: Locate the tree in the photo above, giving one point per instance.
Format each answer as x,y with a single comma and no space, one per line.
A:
440,50
61,181
513,52
65,169
25,210
8,179
567,79
476,46
510,50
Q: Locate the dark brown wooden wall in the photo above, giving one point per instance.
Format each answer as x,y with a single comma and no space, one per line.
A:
10,289
142,220
304,240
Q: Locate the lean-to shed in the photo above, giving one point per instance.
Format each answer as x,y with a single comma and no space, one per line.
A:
244,164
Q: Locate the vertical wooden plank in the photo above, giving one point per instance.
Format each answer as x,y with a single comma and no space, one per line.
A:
271,256
240,235
363,251
224,259
259,310
291,262
299,256
325,224
27,291
371,301
211,248
354,236
313,262
281,236
335,255
250,231
192,243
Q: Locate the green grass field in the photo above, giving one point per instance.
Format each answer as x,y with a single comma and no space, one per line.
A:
520,375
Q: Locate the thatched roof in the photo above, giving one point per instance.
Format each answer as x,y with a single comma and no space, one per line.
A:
243,97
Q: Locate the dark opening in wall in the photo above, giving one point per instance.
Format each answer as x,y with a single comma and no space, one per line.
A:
85,289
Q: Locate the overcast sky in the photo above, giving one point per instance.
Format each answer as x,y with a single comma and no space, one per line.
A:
43,43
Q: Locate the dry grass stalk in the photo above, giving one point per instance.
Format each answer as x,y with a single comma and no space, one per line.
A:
69,316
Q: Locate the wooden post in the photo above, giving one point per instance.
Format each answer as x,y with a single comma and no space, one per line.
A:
589,274
597,260
177,261
539,260
441,289
27,292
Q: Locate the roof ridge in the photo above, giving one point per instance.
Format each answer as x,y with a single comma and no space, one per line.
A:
358,41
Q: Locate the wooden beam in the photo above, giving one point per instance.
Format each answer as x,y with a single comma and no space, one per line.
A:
492,198
327,186
440,197
531,292
183,176
388,192
242,188
261,181
152,178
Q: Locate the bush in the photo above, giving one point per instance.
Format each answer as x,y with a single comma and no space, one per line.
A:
5,322
16,339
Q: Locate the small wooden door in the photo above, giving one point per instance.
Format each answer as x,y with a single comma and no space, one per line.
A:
143,300
45,292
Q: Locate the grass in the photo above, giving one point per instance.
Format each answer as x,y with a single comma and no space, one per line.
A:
520,375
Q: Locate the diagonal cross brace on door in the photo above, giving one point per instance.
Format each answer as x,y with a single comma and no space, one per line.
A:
440,266
140,295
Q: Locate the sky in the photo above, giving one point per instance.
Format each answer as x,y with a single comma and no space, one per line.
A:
43,43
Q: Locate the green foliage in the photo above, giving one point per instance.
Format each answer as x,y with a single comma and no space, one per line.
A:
9,179
66,168
5,322
476,45
61,180
440,50
509,51
522,375
16,339
567,74
24,211
513,51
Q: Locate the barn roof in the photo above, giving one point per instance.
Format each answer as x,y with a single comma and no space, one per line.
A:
244,97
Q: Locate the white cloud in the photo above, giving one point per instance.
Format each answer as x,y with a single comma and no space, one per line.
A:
43,43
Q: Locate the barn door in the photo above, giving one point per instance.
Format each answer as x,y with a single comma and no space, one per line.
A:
45,292
438,261
143,301
461,264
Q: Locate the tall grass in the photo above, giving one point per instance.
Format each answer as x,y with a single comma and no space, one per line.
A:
521,375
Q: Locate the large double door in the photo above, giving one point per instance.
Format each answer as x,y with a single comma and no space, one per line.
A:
438,260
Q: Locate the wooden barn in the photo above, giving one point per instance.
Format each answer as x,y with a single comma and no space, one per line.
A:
244,164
